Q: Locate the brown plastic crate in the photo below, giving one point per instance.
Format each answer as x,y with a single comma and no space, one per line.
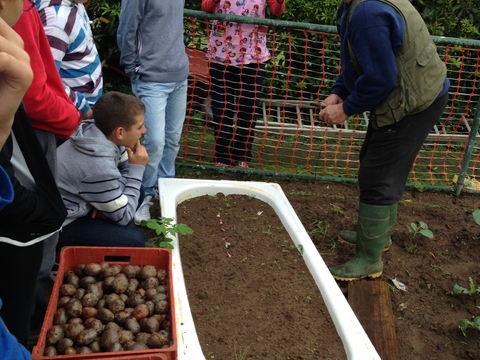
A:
72,256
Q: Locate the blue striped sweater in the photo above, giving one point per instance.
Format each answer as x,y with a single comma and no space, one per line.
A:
69,33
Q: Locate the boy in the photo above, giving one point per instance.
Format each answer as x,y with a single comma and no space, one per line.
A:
69,33
100,170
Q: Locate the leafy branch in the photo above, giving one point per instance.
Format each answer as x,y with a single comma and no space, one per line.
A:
165,230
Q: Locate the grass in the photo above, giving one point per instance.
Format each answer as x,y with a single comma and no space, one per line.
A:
242,353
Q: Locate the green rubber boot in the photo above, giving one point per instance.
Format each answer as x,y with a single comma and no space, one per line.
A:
372,234
350,236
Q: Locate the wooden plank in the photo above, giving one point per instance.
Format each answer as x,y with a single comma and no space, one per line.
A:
371,303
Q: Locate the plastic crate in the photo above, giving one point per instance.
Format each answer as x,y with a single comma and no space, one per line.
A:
138,357
72,256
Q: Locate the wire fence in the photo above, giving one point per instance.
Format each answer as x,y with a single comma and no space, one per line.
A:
291,140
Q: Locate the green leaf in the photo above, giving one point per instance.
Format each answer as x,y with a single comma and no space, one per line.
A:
472,285
457,289
427,233
166,245
476,216
463,325
184,229
476,322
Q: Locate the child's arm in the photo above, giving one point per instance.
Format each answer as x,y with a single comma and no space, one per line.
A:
277,7
15,77
113,195
48,105
131,15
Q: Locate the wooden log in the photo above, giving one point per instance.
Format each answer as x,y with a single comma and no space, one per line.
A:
371,303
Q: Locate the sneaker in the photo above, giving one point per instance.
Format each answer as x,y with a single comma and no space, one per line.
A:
157,193
143,212
242,164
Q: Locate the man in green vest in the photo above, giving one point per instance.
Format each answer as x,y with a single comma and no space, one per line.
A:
389,67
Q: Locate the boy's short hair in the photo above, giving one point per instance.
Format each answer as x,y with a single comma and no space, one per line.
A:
115,109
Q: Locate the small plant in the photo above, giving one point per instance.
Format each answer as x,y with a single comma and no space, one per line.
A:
164,227
300,249
439,268
457,289
320,230
421,228
419,186
242,354
464,324
337,209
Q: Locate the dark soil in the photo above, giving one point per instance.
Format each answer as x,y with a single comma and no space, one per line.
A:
252,296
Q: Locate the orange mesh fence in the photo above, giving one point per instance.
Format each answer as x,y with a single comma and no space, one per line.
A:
290,139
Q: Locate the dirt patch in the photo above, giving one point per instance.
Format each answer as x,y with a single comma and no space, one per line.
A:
252,296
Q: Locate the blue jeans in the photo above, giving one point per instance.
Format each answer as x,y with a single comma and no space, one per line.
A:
166,104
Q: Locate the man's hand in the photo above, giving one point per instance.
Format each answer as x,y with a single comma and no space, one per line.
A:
332,110
333,114
331,99
140,156
15,77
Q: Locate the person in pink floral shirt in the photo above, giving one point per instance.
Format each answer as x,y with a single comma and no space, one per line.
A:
237,54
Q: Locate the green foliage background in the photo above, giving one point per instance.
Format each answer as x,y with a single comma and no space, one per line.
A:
297,78
452,18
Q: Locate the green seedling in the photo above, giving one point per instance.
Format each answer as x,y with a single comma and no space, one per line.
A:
421,228
464,324
320,230
165,230
242,354
337,209
473,289
300,249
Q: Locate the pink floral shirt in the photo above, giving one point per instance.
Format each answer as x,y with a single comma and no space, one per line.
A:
234,43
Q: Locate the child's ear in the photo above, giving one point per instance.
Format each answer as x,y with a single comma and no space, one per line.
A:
118,133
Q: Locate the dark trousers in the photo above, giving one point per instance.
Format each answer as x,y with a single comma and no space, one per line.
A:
86,231
19,267
234,94
388,153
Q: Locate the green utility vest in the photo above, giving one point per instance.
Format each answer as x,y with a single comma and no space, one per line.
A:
421,72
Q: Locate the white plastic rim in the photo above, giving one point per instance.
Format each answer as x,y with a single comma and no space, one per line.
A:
355,341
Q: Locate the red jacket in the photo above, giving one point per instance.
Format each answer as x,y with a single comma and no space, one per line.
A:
46,101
